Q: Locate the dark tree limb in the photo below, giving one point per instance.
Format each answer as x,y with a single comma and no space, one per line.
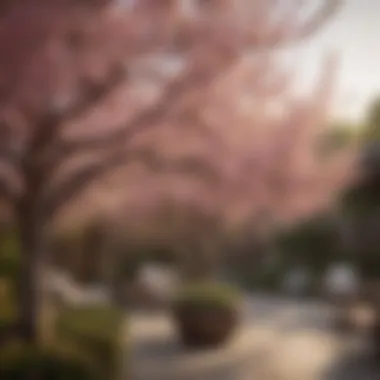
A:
9,156
8,192
51,164
196,78
48,129
57,196
145,120
49,126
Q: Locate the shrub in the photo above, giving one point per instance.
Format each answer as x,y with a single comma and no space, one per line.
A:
269,281
9,256
98,331
18,361
8,313
210,295
9,267
206,314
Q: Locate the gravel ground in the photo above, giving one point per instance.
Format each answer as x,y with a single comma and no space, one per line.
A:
279,340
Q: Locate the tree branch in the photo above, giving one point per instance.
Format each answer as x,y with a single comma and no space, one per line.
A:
53,199
320,17
49,127
196,78
8,157
7,192
280,36
143,122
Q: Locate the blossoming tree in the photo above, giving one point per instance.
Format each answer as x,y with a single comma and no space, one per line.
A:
80,82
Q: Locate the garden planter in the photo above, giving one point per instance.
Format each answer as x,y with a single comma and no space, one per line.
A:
204,327
206,316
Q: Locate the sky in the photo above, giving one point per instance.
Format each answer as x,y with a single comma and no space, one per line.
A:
355,34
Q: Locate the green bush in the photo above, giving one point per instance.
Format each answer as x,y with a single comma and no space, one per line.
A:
98,331
9,257
8,313
18,361
211,295
9,267
269,281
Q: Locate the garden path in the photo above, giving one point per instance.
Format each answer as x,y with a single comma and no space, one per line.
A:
279,339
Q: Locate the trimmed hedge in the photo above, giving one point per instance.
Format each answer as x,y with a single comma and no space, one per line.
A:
18,362
86,341
8,315
95,332
9,256
98,331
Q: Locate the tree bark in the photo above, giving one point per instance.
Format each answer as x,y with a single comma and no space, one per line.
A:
197,265
30,281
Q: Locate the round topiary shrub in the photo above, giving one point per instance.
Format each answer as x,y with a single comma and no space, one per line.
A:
206,314
18,362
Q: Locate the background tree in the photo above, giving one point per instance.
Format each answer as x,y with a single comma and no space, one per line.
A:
360,203
313,244
197,214
70,104
370,129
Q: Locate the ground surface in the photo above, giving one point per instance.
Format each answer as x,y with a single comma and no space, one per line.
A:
279,340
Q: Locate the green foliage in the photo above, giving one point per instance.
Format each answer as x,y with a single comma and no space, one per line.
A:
313,243
269,280
360,203
97,331
360,200
210,295
368,263
371,130
18,362
93,331
9,272
9,256
129,266
338,137
7,308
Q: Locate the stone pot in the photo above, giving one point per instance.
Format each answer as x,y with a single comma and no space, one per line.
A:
200,326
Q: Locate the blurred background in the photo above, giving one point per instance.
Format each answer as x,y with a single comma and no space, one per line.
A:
188,190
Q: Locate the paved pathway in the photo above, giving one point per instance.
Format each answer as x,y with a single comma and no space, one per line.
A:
278,340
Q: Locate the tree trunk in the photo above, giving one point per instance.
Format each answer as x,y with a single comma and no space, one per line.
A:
30,281
197,265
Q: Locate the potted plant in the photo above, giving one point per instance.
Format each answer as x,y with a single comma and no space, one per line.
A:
206,314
